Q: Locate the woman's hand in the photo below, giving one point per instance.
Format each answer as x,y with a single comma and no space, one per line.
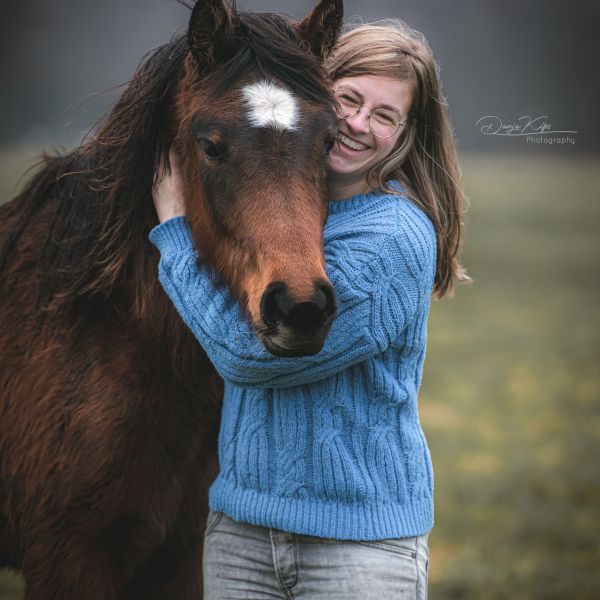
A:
168,191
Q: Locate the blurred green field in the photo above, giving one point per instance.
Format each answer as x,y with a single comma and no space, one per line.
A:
511,388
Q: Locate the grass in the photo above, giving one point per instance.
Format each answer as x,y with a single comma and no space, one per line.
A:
510,389
510,394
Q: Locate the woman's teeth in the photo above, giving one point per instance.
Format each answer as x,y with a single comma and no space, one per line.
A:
351,143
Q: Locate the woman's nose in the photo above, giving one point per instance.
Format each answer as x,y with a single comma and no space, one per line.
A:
360,121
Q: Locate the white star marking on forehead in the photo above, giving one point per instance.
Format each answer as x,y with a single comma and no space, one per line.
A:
271,106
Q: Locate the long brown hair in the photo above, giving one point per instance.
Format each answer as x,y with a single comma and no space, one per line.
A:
425,159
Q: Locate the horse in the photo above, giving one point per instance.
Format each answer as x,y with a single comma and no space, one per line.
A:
109,408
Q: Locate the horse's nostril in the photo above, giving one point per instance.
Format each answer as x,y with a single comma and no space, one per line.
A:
273,305
325,298
320,297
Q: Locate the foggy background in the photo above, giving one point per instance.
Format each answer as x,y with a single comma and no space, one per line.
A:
509,59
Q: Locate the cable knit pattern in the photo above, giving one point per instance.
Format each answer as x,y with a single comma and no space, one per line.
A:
328,445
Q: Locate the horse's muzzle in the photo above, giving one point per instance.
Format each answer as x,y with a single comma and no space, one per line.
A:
297,328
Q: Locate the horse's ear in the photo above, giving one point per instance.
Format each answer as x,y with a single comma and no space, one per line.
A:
322,27
209,32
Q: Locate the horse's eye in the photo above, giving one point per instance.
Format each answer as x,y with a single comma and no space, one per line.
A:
211,151
329,144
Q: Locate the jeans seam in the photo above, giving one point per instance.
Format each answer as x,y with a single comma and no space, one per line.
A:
418,590
287,591
295,550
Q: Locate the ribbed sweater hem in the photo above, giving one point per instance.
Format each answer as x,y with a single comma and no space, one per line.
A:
358,522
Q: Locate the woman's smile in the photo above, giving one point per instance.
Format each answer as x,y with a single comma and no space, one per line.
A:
348,143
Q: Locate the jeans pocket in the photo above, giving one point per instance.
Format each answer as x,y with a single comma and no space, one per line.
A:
405,546
214,518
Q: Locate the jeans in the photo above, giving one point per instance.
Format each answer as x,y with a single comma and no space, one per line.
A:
255,563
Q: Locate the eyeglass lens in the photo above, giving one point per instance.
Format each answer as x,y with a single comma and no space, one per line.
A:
382,123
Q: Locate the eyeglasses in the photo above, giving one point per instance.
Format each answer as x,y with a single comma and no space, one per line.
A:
382,123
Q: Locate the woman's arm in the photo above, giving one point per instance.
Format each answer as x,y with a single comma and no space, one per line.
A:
375,303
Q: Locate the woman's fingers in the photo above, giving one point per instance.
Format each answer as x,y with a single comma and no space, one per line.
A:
167,191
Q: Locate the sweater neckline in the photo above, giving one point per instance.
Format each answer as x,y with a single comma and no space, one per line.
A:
359,200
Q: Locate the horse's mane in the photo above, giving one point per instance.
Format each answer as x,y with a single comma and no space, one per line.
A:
99,195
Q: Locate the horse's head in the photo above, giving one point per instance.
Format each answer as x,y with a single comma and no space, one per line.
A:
253,127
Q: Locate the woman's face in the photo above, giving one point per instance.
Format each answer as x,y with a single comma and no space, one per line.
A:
352,164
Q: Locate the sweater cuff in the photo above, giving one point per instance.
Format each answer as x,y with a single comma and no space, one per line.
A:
174,235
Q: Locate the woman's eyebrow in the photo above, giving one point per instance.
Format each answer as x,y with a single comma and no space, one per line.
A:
385,106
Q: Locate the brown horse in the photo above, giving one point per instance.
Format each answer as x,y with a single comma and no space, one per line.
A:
109,409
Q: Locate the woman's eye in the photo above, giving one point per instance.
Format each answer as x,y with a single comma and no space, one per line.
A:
347,99
385,118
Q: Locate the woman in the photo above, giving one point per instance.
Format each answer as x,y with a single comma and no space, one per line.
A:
326,486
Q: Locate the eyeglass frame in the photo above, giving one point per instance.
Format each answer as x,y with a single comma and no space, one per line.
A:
371,111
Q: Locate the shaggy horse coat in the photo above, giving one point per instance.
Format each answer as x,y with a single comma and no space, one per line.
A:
109,408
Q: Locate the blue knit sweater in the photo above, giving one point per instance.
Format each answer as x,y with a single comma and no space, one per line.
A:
328,445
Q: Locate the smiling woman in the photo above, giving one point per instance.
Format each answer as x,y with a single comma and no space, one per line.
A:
323,462
366,137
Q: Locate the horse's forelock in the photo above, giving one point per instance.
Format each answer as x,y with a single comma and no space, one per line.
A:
272,47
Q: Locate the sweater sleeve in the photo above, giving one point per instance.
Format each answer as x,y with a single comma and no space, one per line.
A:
375,303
